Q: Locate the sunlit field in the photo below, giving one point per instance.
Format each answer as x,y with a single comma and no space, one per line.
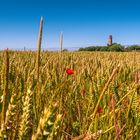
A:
70,95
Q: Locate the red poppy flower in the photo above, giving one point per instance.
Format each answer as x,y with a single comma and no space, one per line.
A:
69,71
100,110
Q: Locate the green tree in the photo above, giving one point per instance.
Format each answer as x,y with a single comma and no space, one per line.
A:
133,47
116,48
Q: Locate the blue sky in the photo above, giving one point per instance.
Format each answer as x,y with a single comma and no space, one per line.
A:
83,22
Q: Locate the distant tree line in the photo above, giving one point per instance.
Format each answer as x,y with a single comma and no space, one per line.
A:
114,48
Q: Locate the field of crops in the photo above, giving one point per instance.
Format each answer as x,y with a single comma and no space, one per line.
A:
70,95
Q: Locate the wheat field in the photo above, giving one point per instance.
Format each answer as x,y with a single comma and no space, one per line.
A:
43,101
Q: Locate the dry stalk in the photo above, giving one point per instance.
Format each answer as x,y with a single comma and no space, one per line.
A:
35,97
39,46
5,94
137,79
115,121
61,41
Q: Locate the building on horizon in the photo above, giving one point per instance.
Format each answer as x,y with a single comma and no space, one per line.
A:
110,40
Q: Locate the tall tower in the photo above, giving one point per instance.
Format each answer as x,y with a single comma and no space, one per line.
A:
110,40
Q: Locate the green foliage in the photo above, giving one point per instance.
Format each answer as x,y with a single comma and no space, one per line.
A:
133,47
116,48
104,48
76,127
94,48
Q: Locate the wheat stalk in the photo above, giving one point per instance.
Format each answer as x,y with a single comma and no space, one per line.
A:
5,94
102,93
48,124
27,122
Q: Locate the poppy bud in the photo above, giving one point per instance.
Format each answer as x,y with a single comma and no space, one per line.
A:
100,110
